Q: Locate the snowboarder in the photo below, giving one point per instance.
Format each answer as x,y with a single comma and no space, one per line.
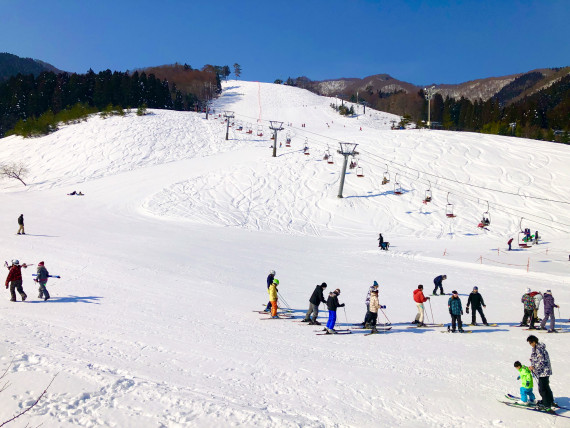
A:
476,301
332,305
270,278
41,279
549,306
316,299
15,279
21,223
540,366
438,284
529,306
420,299
509,243
525,376
455,310
272,290
373,287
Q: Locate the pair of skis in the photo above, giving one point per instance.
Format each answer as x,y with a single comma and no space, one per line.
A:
534,408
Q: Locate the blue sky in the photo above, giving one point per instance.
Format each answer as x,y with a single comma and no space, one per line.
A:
420,42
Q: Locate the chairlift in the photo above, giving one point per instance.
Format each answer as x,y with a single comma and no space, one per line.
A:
427,197
330,160
359,172
523,237
485,218
288,139
249,129
239,126
260,130
397,187
449,208
353,163
386,178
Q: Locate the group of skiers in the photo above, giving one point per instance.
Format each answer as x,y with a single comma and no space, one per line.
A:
531,303
15,282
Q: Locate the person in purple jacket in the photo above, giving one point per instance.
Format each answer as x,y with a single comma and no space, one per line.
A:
549,306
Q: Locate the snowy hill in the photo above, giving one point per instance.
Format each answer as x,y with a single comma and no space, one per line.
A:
165,258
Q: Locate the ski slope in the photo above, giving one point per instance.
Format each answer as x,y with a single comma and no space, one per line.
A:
164,260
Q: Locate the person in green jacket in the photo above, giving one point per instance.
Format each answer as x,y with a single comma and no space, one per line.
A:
525,376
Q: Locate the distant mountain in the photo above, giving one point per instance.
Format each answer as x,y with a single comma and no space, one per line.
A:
11,65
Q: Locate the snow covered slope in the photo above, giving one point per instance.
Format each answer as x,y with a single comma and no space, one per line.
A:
165,257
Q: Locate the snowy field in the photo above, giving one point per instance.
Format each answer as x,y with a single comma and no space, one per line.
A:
164,260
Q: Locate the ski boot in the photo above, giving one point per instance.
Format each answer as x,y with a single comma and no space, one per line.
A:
24,297
315,322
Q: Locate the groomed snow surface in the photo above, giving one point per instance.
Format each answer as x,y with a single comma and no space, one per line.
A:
165,258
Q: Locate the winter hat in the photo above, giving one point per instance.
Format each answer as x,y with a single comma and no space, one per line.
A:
421,287
375,283
276,281
337,291
475,288
528,290
548,292
40,263
454,292
324,285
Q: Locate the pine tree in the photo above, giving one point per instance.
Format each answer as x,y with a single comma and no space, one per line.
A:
237,70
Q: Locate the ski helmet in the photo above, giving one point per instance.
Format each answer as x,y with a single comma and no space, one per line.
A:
16,262
40,263
375,283
271,272
276,281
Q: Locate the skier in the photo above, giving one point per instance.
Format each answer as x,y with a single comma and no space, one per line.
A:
15,279
525,376
272,290
537,296
41,279
21,223
270,278
380,240
529,306
455,310
542,369
332,305
373,287
316,299
476,300
549,306
372,314
536,237
419,298
510,242
438,284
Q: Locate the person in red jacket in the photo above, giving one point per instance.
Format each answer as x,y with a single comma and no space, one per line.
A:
15,279
420,299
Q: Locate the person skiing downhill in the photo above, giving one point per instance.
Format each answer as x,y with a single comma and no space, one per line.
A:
270,278
420,299
525,376
272,290
540,366
476,301
529,305
455,310
21,224
314,301
438,284
332,305
15,279
41,279
549,306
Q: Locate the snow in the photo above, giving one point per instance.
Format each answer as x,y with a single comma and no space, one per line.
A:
165,258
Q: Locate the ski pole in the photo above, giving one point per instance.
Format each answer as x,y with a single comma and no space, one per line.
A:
284,301
345,317
559,313
432,320
383,313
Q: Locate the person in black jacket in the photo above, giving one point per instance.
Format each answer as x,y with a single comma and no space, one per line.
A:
316,299
332,305
270,279
476,301
21,224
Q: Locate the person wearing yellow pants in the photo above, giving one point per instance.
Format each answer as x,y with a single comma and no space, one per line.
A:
273,297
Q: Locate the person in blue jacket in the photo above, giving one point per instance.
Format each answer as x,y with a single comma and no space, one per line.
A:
438,284
270,279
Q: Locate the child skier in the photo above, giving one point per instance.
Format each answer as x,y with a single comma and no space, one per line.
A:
372,314
455,310
373,287
272,290
525,376
41,279
270,278
332,305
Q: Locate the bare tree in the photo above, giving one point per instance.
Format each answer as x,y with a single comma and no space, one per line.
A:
14,170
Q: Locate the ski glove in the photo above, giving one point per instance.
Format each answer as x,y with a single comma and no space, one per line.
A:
467,309
383,307
518,378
